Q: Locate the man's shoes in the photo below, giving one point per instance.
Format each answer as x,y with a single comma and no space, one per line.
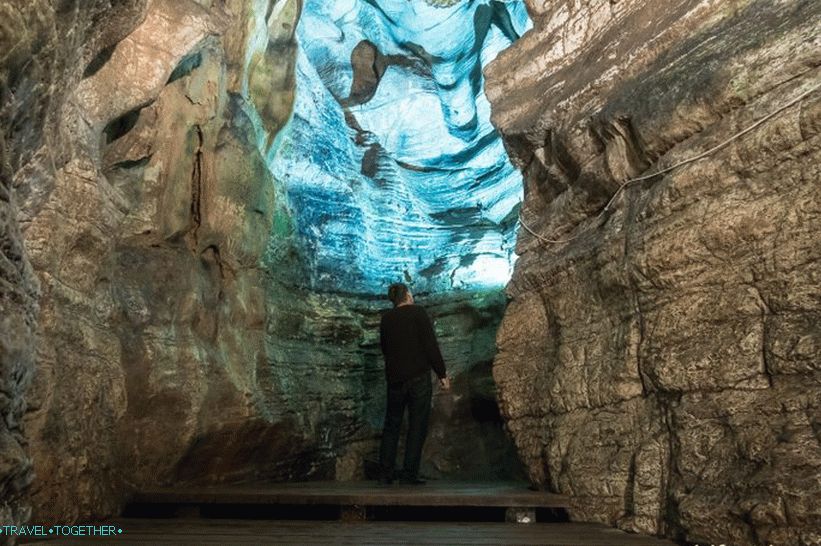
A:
412,481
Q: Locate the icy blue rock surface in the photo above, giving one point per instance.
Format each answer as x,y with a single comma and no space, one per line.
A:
390,165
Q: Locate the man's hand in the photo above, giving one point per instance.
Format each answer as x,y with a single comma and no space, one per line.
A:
444,382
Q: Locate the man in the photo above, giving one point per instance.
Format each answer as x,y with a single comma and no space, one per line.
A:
411,350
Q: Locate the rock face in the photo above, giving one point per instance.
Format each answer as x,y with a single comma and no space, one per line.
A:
660,362
147,236
391,164
42,47
326,365
157,323
391,170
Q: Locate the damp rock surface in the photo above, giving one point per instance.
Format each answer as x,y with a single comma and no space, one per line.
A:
659,362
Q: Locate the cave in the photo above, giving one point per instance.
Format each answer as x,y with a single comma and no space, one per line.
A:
609,210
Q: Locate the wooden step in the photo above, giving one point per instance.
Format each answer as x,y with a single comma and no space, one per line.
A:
221,504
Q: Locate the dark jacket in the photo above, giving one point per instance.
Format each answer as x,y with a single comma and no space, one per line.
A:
409,344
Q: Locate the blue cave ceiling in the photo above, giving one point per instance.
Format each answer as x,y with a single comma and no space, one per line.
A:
390,166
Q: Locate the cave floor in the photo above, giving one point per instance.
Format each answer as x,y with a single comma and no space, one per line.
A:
440,512
221,531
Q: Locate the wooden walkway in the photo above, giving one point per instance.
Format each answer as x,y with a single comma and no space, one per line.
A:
434,493
242,532
358,513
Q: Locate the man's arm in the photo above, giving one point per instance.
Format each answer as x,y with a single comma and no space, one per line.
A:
431,346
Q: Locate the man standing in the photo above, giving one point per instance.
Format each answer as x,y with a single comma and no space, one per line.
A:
411,351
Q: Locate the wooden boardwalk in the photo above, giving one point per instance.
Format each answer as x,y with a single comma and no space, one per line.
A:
242,532
434,493
358,513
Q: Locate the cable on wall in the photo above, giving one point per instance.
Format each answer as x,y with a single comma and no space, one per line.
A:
681,163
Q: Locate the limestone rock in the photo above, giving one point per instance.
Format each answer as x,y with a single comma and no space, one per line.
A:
659,363
149,247
45,48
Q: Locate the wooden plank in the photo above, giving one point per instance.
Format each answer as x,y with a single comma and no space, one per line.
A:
501,495
204,531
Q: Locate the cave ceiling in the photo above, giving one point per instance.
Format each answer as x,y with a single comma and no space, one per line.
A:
390,165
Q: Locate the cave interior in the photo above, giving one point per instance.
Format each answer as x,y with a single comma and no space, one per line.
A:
609,210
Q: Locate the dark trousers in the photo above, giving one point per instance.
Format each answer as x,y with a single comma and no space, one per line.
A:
415,394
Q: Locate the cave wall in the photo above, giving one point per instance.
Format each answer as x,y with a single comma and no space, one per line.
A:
42,46
324,355
392,171
146,222
391,164
157,323
659,363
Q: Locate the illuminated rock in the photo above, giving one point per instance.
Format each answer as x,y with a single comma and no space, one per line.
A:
179,335
390,164
662,367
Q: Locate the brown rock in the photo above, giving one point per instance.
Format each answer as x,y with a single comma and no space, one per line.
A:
148,240
660,366
43,55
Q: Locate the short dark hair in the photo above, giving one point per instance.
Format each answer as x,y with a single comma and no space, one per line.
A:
397,292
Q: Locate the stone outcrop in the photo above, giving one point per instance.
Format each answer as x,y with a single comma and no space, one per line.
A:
659,361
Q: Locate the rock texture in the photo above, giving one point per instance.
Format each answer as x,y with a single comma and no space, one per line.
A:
391,165
325,361
660,363
147,233
391,171
158,323
42,46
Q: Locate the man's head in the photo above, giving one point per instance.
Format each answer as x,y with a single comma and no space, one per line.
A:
399,293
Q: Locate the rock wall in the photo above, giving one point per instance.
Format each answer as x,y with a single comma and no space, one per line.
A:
391,164
660,362
147,236
156,326
324,356
42,45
